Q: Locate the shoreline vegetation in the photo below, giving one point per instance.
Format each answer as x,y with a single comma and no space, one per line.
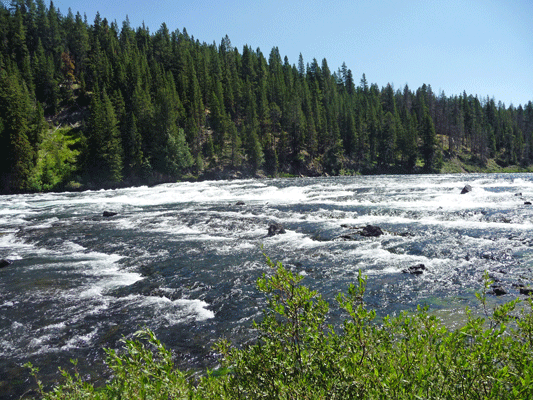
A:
97,105
298,355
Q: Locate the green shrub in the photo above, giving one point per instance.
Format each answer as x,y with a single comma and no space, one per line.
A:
57,159
299,356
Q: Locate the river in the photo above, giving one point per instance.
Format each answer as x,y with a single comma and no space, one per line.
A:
183,258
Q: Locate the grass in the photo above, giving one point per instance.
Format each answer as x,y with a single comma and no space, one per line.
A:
465,162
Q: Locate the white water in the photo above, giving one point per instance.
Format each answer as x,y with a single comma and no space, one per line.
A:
183,258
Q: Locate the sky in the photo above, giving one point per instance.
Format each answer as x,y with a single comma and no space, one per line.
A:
483,47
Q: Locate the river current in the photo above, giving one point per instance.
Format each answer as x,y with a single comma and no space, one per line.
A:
183,259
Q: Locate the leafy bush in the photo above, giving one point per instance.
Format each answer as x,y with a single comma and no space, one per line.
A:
57,158
299,356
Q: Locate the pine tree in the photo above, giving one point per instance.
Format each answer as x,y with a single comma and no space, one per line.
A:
429,149
79,45
143,110
169,153
301,65
16,153
104,152
407,141
17,42
132,144
112,146
254,149
235,144
387,143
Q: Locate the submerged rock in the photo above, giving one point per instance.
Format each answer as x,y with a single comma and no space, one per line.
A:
5,263
415,270
240,203
108,214
466,189
275,229
348,236
527,203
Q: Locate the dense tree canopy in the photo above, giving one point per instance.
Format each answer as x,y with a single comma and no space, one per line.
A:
154,106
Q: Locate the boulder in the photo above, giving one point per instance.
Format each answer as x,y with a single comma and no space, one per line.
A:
498,290
526,290
108,214
5,263
240,203
275,229
466,189
371,231
415,270
527,203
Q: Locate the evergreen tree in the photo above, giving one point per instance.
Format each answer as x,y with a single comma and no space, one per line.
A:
253,147
407,141
235,144
170,153
19,49
79,45
132,144
104,150
429,149
16,153
301,65
46,87
174,100
112,146
387,143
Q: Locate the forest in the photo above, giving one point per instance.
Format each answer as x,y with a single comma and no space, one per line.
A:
85,106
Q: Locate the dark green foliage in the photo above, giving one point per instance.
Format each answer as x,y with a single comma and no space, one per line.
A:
235,110
132,144
169,151
17,153
104,148
430,151
46,86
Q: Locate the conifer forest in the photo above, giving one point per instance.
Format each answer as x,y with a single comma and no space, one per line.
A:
97,105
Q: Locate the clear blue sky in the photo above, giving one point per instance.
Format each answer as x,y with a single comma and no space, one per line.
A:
484,47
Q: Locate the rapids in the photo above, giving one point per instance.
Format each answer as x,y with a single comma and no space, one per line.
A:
183,259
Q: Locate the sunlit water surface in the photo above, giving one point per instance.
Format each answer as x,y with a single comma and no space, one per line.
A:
183,259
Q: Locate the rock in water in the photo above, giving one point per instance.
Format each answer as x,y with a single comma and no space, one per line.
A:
109,214
527,291
466,189
275,229
498,290
415,270
371,231
5,263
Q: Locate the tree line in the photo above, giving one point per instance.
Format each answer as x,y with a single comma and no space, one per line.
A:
156,106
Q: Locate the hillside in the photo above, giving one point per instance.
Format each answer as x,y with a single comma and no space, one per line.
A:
97,105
